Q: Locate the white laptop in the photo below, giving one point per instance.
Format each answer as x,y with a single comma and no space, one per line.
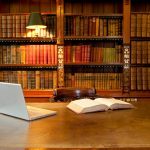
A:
12,103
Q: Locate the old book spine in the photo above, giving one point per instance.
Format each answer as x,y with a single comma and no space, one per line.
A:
133,78
18,25
9,26
133,52
144,78
4,26
133,25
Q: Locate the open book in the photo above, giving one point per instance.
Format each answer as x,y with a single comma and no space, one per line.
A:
99,104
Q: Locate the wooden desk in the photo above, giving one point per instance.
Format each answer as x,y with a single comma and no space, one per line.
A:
120,129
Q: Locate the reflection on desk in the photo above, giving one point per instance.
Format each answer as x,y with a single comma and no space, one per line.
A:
112,129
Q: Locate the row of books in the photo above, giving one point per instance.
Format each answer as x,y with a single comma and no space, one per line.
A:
92,53
15,26
102,81
140,25
92,26
31,79
140,52
28,54
140,78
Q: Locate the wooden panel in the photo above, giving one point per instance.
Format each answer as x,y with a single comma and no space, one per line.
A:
15,6
109,6
34,5
24,6
139,5
4,6
126,21
60,22
45,6
37,99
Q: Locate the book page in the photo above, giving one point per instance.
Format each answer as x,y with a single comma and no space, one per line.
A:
113,103
85,106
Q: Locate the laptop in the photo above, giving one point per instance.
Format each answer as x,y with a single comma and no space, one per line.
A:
12,103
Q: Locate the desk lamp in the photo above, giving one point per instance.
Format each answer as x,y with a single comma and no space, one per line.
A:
35,22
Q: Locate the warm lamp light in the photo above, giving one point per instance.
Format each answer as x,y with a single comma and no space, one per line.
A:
35,22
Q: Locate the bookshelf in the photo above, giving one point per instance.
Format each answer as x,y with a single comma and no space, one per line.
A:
88,43
93,40
24,58
140,56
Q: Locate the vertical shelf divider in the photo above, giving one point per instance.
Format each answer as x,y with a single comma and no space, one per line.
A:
60,41
126,45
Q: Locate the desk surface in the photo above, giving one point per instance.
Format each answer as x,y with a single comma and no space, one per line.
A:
111,129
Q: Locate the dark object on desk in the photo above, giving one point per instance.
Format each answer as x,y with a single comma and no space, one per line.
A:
70,93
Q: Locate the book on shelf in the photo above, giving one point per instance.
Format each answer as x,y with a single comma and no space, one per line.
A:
103,81
148,71
144,25
98,104
148,52
92,26
31,79
140,52
140,25
133,78
140,78
28,54
86,53
14,25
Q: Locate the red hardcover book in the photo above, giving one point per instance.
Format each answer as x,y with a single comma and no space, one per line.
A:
56,55
37,54
31,54
34,54
41,54
49,54
83,53
87,53
52,54
78,54
45,54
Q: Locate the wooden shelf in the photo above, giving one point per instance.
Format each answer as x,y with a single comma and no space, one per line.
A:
105,15
84,38
109,93
140,38
140,65
38,93
119,94
27,67
94,64
144,94
27,40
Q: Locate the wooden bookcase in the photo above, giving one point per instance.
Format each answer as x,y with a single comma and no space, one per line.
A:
97,44
24,58
140,52
93,40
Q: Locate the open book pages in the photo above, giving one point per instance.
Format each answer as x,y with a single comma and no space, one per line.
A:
113,103
86,105
99,104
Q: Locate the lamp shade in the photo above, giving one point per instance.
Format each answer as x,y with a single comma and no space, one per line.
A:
35,20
